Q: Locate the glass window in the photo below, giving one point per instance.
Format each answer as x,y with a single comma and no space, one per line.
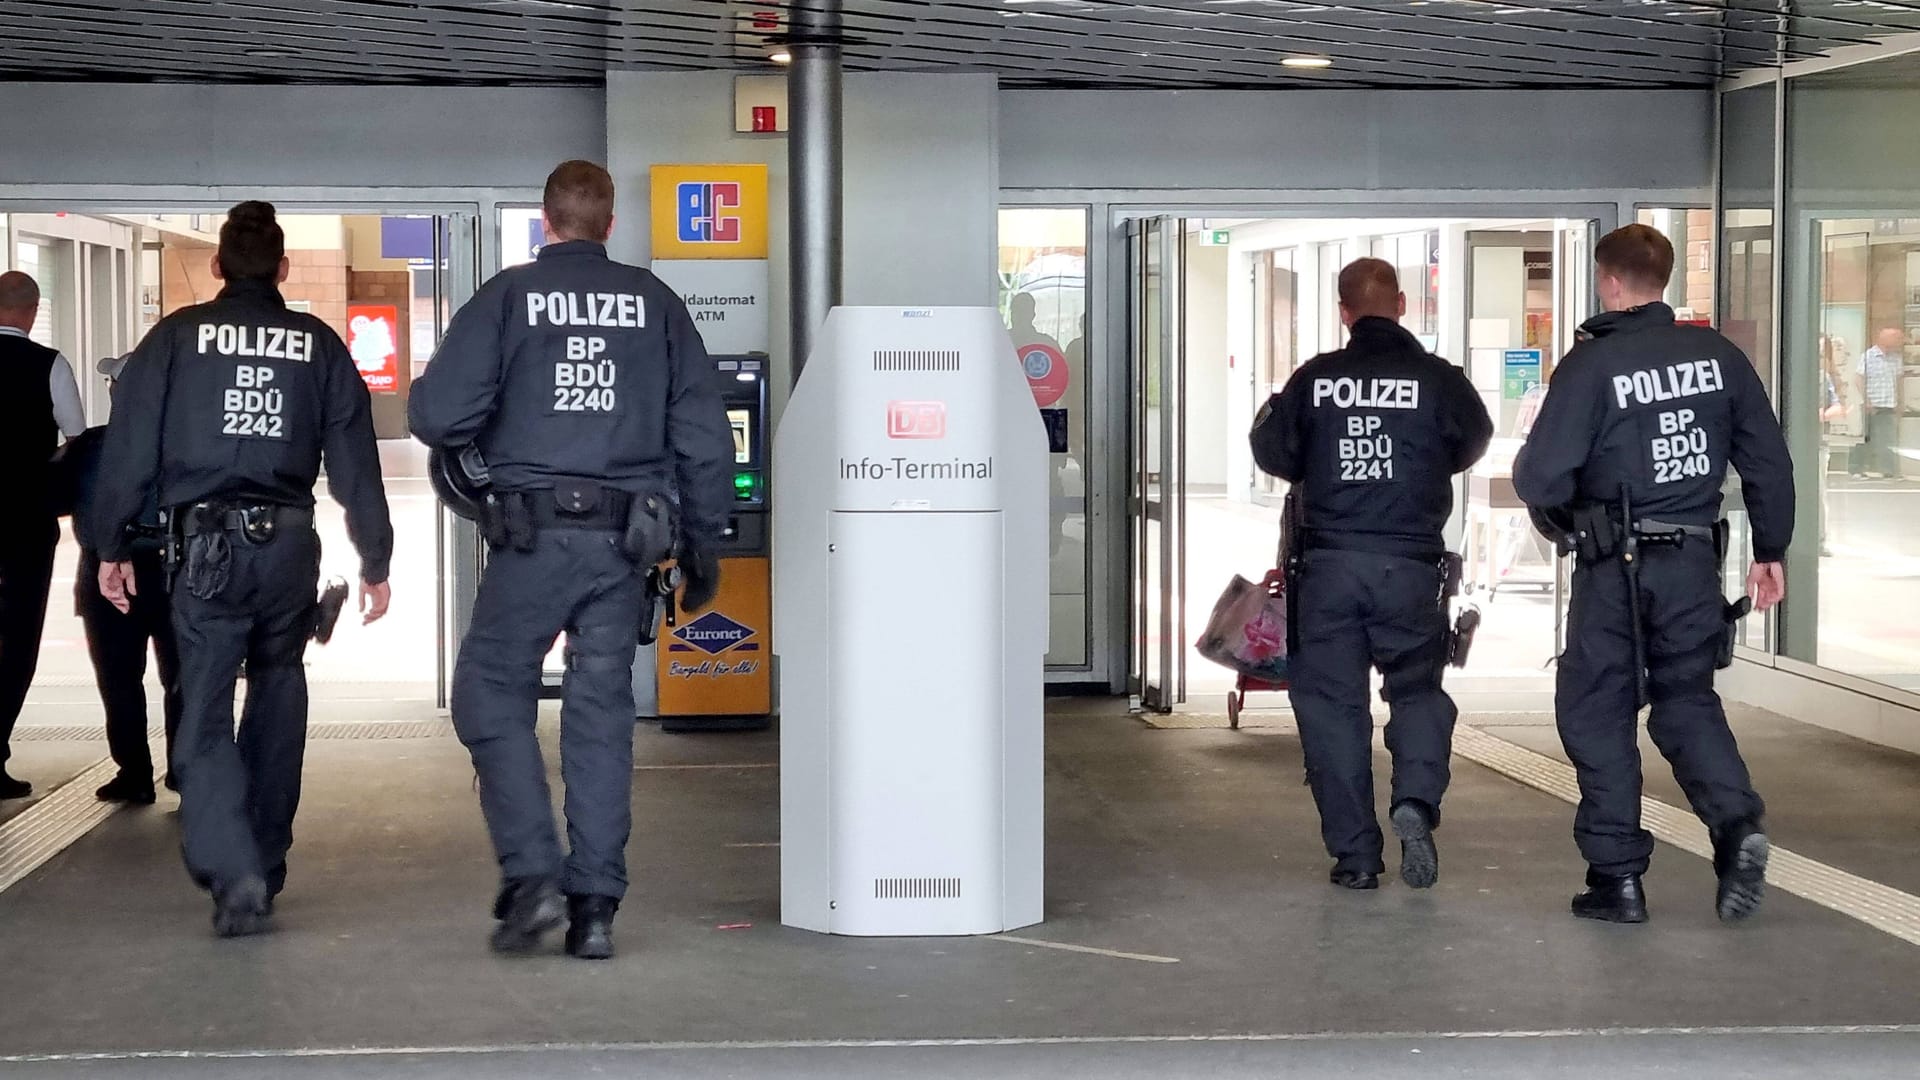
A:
1850,372
520,235
1333,333
1277,295
1690,294
1747,244
1043,297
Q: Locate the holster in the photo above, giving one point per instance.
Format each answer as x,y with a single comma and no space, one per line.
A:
649,536
1460,635
327,609
1596,536
515,526
209,564
657,602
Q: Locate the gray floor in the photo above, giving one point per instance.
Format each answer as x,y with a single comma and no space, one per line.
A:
1827,794
1759,1056
1198,845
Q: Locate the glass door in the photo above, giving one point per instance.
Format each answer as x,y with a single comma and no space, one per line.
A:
453,277
1157,351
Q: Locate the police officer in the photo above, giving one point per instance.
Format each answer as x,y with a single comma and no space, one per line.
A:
222,418
587,392
1370,437
1643,417
116,642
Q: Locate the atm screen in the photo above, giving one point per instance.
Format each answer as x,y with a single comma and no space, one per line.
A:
742,436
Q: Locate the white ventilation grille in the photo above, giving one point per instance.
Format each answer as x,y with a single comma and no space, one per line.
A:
916,888
916,360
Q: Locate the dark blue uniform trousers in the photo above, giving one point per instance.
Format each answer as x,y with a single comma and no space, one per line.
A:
238,794
117,645
1681,608
1357,610
577,581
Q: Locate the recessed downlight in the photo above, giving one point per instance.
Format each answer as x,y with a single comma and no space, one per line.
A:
1306,62
780,57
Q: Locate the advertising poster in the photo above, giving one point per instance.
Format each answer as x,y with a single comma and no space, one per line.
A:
373,337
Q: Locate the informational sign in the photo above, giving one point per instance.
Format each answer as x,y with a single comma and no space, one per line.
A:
373,338
709,211
1046,368
1519,372
411,238
1215,238
727,299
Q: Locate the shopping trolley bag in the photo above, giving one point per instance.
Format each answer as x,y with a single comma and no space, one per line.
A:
1247,631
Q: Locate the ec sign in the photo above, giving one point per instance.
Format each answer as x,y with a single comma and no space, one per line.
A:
709,212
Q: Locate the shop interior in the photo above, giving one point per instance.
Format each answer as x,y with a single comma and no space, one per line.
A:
381,282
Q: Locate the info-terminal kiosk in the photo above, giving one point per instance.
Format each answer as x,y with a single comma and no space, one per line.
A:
712,671
911,529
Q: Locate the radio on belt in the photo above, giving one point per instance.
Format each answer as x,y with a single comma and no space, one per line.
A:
910,619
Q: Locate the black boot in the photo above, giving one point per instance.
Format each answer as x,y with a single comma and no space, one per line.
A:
129,788
11,788
527,908
1740,860
1419,859
1357,880
240,908
1612,898
590,935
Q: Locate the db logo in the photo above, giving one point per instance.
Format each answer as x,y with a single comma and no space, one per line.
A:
917,420
702,217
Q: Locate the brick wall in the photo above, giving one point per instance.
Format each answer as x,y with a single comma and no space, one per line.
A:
318,277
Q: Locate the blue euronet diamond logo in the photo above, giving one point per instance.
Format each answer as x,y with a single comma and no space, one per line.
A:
712,633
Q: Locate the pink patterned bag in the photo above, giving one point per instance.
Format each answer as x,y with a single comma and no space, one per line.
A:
1248,629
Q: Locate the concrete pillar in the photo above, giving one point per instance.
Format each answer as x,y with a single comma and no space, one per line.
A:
814,172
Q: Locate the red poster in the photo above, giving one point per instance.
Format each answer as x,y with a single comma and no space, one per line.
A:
373,336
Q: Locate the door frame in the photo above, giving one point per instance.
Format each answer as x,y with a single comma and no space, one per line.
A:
1157,677
1109,317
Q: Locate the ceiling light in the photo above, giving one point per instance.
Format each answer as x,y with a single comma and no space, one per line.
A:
269,52
1306,62
781,57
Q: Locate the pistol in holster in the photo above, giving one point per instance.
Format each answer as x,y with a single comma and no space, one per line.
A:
327,609
1735,610
1467,623
656,605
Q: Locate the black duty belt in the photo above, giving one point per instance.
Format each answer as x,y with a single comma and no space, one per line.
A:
1649,529
571,507
260,521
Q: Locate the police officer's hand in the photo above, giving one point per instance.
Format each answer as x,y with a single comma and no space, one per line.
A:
1767,584
700,575
117,585
373,601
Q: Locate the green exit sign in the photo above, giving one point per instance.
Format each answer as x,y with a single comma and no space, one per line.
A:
1215,238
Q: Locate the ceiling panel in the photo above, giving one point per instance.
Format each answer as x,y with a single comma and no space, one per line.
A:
1440,44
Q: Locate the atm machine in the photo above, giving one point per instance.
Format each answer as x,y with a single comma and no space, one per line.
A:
713,671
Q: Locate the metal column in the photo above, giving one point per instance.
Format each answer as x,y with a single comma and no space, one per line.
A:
814,172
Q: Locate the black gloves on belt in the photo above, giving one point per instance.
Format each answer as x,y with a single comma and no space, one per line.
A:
700,571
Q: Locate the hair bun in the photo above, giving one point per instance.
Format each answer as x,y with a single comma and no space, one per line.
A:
251,213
